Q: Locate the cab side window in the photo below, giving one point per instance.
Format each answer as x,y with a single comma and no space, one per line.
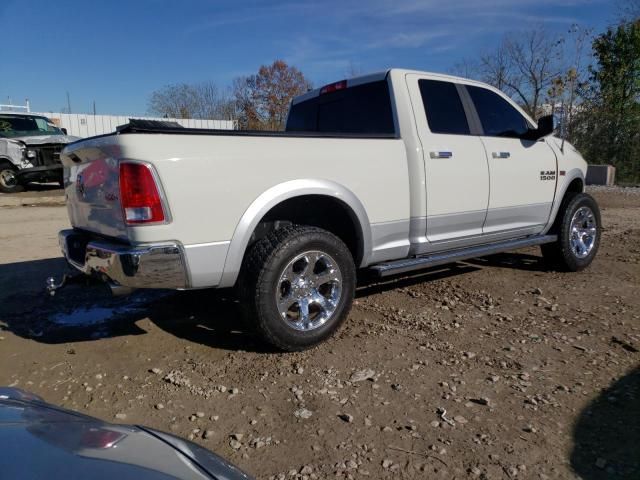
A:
442,104
498,117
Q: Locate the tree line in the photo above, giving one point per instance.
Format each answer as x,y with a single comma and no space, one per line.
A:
257,102
591,82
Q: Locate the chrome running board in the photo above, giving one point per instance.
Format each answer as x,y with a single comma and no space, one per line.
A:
415,263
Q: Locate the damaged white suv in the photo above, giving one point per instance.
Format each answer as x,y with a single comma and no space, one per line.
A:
30,147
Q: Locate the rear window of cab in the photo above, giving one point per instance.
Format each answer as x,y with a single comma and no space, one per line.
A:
363,109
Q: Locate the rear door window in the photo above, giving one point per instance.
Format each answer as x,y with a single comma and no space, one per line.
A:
442,104
362,109
498,117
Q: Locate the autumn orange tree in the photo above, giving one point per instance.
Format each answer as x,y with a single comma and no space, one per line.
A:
262,100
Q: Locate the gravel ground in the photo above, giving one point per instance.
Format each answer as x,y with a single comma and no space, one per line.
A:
616,190
495,368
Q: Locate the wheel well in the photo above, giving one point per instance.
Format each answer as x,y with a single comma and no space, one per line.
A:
320,211
576,186
6,161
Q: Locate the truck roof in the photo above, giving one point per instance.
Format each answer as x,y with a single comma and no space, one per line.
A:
381,75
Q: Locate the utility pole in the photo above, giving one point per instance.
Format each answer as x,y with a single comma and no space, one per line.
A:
68,103
94,108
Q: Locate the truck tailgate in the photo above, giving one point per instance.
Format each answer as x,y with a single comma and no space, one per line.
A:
92,186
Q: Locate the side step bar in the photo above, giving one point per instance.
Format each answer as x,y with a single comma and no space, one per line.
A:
408,264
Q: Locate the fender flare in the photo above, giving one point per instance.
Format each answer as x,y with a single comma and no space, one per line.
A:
570,176
8,160
276,195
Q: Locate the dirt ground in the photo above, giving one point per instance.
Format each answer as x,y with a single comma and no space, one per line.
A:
493,368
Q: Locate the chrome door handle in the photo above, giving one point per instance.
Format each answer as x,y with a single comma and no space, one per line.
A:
501,154
440,154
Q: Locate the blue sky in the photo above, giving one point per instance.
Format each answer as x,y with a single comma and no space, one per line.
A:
117,52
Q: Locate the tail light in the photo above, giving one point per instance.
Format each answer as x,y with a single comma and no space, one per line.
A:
139,194
333,87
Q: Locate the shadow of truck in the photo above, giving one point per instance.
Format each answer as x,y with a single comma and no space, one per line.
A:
607,433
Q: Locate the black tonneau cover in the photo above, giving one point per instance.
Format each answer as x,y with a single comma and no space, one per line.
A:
158,126
142,125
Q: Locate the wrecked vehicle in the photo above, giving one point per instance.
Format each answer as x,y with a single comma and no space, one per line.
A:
30,148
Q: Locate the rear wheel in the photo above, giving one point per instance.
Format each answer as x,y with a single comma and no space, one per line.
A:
578,231
9,180
297,286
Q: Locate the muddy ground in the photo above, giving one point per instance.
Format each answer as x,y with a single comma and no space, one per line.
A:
493,368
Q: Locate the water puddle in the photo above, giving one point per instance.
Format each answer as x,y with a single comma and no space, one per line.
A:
96,315
84,316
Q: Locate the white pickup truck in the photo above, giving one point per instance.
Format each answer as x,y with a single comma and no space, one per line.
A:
389,172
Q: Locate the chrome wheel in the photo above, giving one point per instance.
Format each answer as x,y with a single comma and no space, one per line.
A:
583,232
8,178
309,290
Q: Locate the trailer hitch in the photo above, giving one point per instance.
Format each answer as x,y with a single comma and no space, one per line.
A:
53,287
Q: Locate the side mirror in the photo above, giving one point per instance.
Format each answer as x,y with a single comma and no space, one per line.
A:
546,126
64,130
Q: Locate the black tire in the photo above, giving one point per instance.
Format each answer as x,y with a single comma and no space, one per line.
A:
560,253
6,171
260,279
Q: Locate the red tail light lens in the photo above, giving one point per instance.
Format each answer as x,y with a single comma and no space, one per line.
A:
139,195
333,87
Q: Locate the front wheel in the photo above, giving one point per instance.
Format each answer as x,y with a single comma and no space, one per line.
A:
297,286
9,180
578,232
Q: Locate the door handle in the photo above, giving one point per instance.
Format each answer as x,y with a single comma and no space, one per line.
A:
440,154
501,154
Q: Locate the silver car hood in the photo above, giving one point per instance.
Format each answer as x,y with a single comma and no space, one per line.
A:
46,139
39,440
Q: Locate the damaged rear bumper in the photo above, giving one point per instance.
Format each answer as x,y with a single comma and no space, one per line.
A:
139,266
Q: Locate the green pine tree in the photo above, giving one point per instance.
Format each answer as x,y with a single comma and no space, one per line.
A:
609,127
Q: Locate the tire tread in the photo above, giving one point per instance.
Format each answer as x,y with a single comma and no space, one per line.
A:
255,267
559,253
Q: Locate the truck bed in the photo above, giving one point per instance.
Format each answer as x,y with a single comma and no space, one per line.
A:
154,126
211,179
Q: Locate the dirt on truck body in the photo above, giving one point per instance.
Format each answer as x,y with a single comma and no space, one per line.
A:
510,370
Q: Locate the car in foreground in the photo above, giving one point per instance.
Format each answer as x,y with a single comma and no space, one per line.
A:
390,172
39,440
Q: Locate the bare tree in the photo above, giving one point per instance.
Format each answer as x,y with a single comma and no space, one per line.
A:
568,86
467,68
524,65
201,100
262,100
496,68
533,62
245,104
353,70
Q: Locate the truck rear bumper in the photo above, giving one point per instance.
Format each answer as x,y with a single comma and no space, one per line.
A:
141,266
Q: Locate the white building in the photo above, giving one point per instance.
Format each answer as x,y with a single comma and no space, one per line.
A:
86,125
